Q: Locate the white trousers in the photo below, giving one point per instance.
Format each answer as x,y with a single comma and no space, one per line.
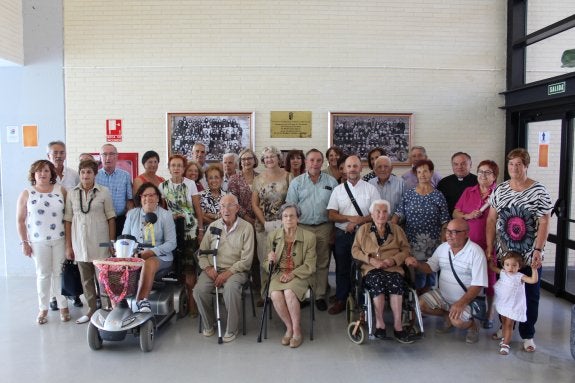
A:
48,257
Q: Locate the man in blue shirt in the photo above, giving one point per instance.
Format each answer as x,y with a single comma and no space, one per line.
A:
118,181
311,192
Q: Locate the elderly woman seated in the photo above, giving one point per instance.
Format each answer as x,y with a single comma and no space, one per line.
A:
382,247
293,261
161,235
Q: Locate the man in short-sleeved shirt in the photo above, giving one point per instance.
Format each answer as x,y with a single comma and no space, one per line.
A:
311,192
118,182
450,300
347,220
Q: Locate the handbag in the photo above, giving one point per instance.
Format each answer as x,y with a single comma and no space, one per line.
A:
478,306
71,280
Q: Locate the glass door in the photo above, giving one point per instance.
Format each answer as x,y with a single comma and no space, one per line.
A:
570,222
549,138
544,146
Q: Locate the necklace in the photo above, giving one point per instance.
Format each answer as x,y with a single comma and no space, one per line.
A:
89,202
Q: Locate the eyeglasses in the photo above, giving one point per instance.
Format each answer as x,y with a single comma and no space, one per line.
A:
246,159
484,173
454,232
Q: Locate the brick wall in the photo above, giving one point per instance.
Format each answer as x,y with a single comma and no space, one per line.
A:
11,35
442,61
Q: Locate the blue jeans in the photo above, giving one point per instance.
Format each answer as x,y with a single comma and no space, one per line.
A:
532,293
342,255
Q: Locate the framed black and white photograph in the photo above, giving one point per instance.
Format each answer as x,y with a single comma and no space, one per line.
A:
220,132
357,133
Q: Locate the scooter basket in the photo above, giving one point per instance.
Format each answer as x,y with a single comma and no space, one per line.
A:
118,277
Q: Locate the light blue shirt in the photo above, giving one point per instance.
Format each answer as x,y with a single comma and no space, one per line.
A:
164,231
391,191
312,198
119,183
411,179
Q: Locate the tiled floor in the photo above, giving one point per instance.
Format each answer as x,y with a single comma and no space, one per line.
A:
58,352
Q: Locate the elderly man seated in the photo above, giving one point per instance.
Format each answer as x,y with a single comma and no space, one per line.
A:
234,260
458,258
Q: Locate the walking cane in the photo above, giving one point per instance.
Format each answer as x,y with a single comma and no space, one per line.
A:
266,301
266,297
214,252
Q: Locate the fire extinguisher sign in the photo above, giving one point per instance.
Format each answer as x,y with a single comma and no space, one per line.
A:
113,130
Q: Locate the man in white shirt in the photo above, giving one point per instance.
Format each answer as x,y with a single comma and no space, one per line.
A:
450,300
342,211
66,177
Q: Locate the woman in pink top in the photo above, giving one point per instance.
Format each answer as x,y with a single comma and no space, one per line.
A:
473,207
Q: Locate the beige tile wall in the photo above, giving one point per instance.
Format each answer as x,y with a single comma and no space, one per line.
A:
137,60
11,31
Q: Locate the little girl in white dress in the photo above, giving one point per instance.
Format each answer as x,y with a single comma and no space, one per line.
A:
510,295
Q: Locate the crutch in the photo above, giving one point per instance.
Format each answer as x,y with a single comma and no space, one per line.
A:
217,232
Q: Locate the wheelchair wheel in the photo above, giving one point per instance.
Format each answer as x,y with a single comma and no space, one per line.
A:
94,338
147,332
359,336
350,309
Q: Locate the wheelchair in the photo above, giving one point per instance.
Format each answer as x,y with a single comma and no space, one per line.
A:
359,309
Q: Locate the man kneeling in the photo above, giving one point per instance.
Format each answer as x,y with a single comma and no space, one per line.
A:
462,258
234,260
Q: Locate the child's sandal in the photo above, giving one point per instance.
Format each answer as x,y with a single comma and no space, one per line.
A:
503,349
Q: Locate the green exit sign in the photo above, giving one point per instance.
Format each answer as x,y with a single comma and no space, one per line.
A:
556,88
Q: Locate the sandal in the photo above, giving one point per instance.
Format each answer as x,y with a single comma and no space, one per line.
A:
503,349
42,317
529,345
65,315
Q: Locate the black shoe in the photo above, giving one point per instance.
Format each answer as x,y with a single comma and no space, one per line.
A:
303,304
78,302
380,333
321,304
54,305
402,337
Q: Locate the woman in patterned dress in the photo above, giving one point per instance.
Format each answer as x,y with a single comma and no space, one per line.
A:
269,194
182,199
518,221
210,198
424,211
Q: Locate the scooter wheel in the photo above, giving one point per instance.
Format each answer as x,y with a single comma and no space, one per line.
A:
183,304
94,338
147,332
356,336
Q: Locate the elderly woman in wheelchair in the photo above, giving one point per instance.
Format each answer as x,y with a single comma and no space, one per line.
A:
380,248
293,258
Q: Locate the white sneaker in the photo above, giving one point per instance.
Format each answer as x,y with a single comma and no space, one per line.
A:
208,331
229,337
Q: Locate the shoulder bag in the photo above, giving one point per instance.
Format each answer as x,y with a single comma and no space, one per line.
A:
478,306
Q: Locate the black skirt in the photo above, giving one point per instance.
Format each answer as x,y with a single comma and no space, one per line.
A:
379,281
